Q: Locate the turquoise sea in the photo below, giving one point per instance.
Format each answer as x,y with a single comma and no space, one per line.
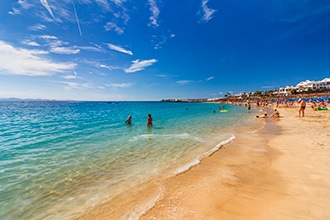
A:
57,158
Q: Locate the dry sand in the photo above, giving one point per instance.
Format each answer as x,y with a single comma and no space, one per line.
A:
280,172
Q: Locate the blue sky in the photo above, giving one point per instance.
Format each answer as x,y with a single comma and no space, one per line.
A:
155,49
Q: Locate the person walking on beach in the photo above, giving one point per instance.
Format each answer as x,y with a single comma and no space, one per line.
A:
302,106
149,120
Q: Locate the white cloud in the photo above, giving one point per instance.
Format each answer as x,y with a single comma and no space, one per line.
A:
30,43
118,2
121,85
162,75
106,66
103,3
14,11
206,12
46,5
210,78
24,4
69,77
64,50
75,85
138,65
155,13
119,49
112,26
19,61
37,27
48,37
183,82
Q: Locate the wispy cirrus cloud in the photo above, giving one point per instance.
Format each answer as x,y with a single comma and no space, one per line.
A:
103,3
75,85
154,13
210,78
30,43
69,77
56,45
138,65
22,5
111,26
159,41
183,82
20,61
121,85
119,49
46,5
64,50
74,76
37,27
14,11
205,13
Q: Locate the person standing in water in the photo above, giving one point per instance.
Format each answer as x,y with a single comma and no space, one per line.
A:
129,120
149,120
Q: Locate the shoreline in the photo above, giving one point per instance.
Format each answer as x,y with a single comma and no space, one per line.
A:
259,175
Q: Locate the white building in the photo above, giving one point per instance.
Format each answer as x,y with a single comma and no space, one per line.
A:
306,85
286,91
324,84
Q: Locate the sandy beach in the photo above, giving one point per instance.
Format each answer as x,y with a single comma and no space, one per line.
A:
279,172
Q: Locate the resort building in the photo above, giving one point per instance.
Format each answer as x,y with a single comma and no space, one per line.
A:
306,86
286,91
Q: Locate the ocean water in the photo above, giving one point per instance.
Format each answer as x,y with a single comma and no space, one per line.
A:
57,158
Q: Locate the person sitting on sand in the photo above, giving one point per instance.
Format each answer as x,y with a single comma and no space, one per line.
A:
314,106
129,120
323,104
262,116
276,114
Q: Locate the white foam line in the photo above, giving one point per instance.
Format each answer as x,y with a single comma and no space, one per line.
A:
179,136
219,145
187,167
208,153
143,208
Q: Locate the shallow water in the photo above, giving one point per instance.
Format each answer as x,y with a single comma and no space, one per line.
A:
57,158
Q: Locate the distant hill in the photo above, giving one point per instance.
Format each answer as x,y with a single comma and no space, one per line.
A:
23,100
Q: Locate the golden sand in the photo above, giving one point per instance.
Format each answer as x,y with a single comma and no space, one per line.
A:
280,172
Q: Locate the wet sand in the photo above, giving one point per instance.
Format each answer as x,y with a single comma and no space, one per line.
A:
279,172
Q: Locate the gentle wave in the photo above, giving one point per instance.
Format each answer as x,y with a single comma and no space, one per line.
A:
141,209
187,166
166,136
195,162
220,144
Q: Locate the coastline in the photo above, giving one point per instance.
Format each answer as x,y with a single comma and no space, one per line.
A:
278,172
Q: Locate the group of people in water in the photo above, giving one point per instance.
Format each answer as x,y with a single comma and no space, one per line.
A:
149,120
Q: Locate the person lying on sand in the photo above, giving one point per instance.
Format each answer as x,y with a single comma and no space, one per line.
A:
262,116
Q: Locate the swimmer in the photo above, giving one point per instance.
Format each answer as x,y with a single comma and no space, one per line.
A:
129,120
149,120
